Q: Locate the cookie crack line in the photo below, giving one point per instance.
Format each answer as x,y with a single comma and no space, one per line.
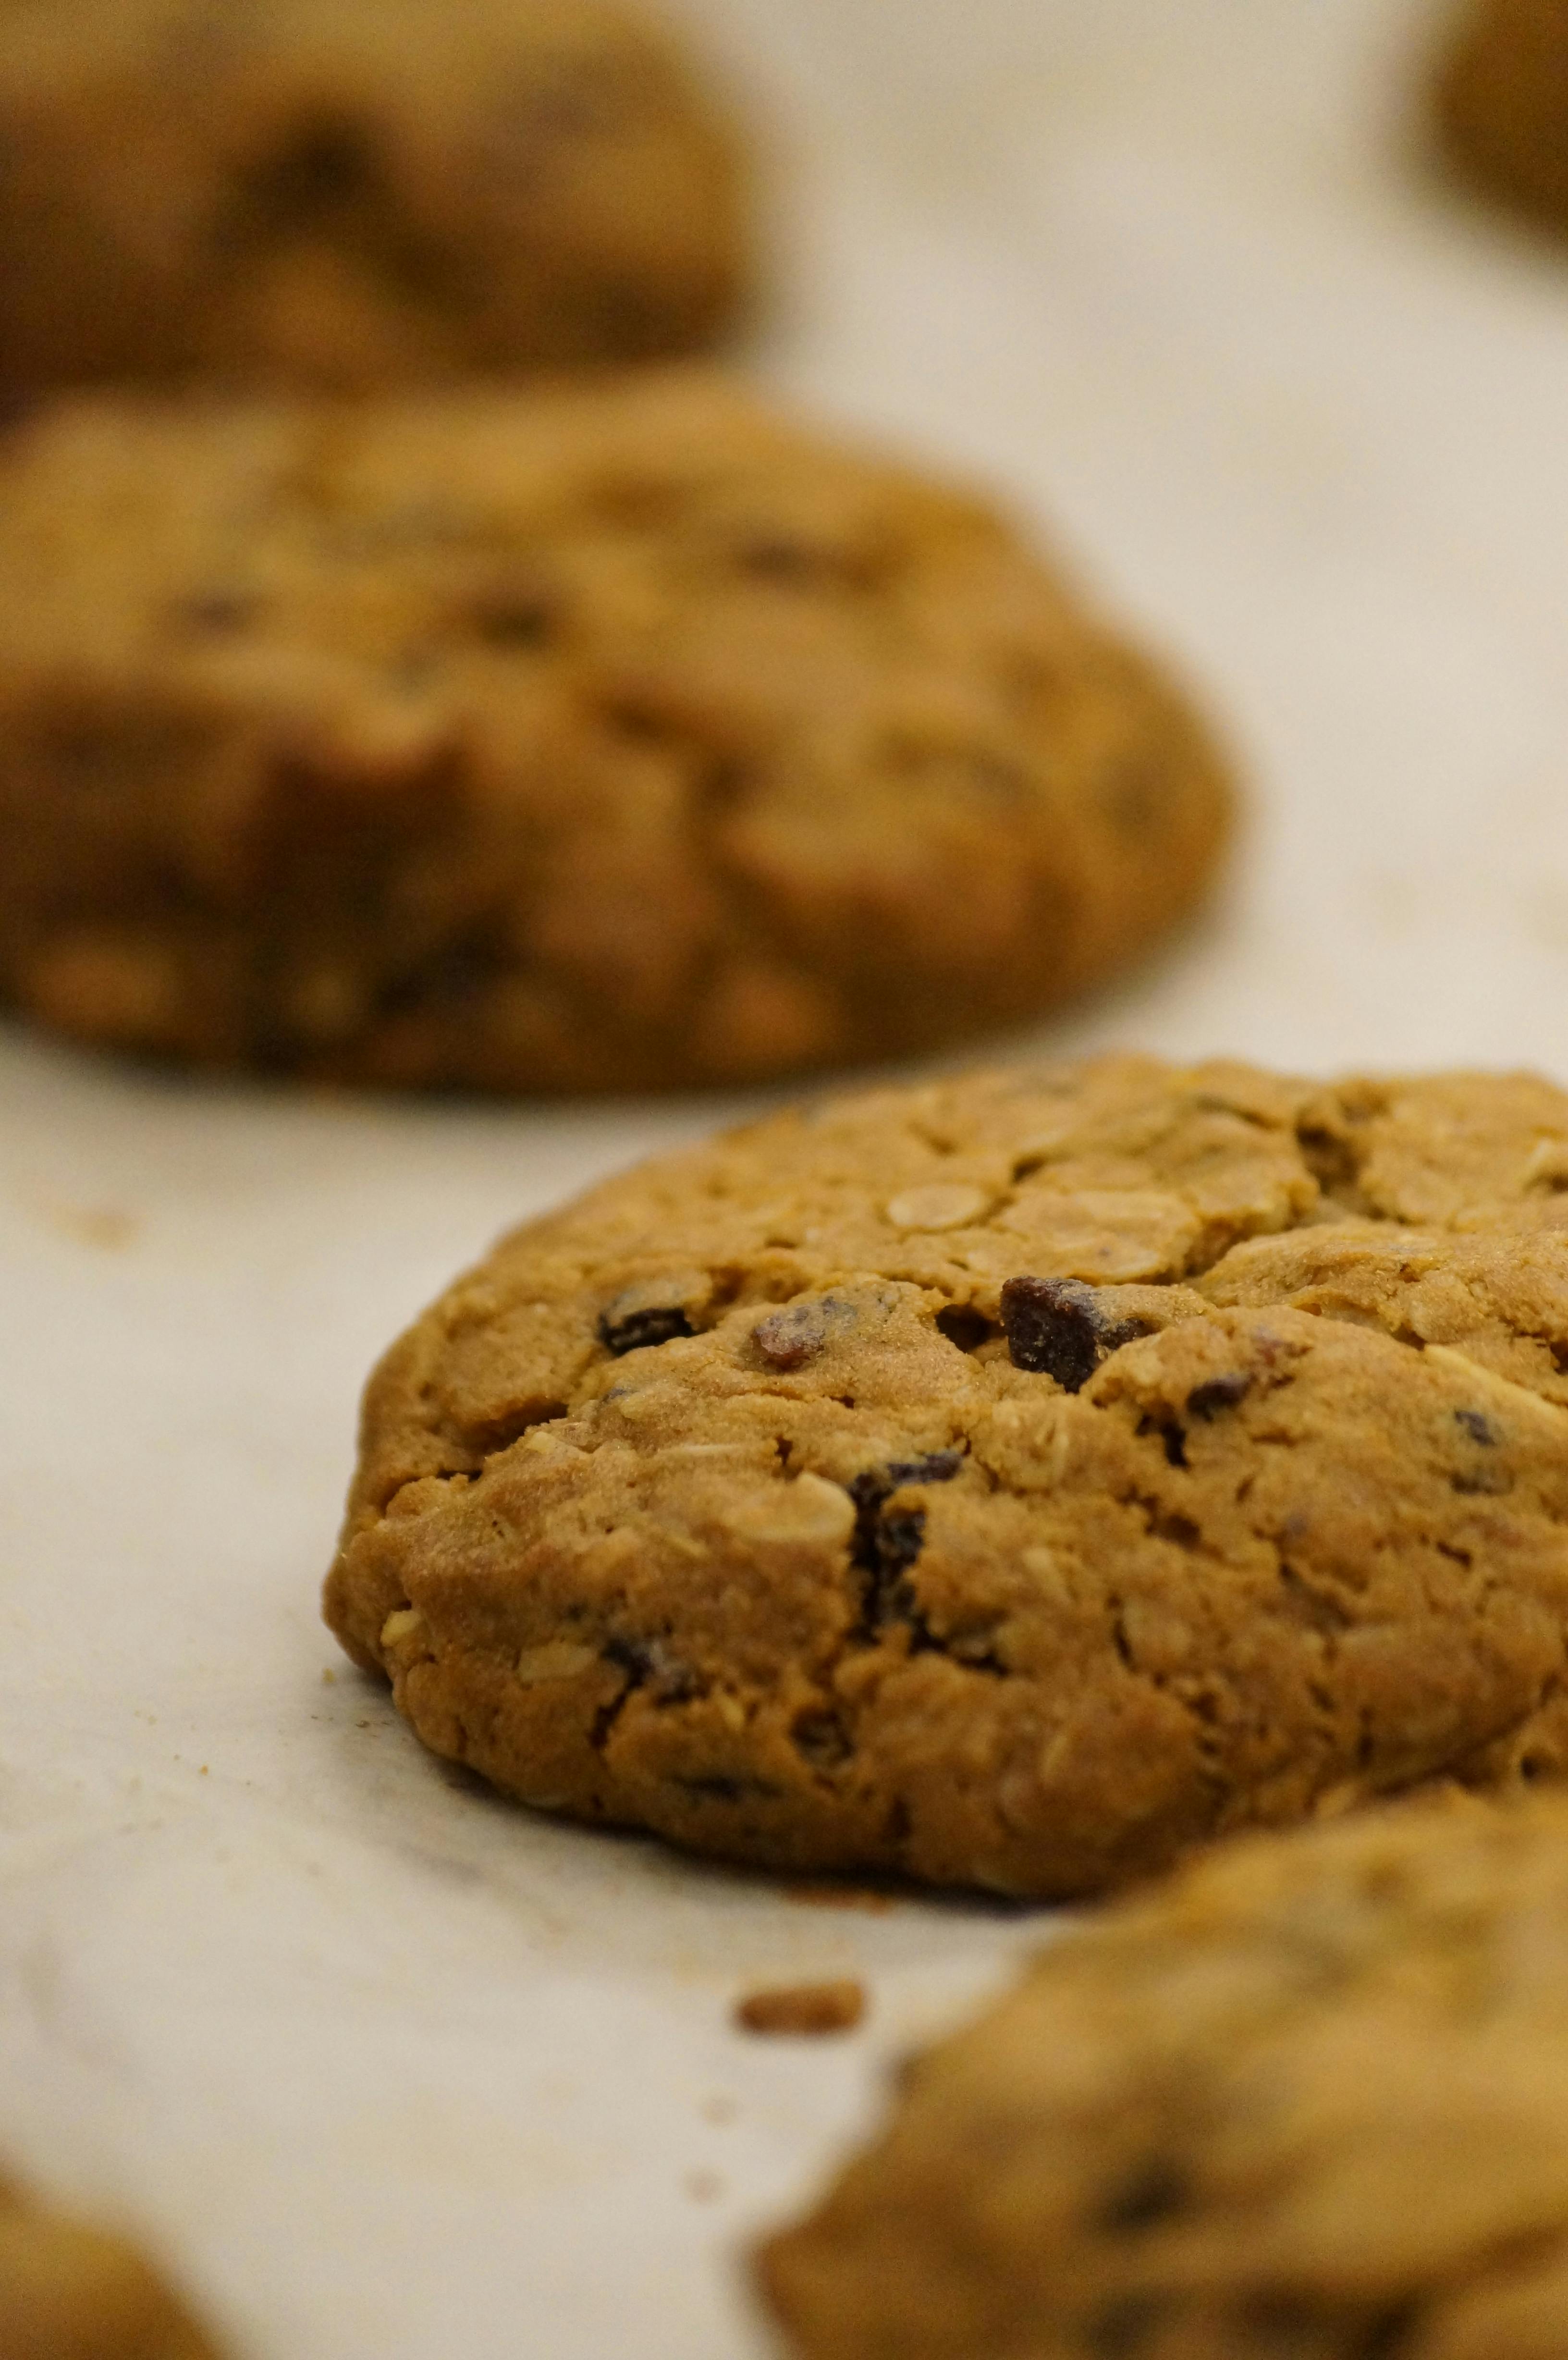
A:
889,1515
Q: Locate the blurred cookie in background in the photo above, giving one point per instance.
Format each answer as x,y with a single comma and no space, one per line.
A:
616,736
1503,103
71,2293
369,193
1309,2099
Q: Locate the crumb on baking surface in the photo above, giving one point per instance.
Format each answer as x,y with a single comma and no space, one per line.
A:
803,2007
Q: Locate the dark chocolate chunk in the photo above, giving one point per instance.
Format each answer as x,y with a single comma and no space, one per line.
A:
1058,1327
1207,1400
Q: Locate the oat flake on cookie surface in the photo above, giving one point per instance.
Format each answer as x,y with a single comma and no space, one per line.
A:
1307,2102
612,736
1012,1481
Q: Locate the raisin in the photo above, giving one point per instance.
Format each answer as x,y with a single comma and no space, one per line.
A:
787,1338
1057,1327
886,1546
634,1331
1207,1400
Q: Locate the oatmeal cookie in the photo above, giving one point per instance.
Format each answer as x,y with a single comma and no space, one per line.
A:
1309,2100
69,2292
575,739
281,192
1011,1481
1503,103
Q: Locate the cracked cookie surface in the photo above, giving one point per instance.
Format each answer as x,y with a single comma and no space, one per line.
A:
610,738
71,2293
274,192
1014,1480
1503,104
1309,2100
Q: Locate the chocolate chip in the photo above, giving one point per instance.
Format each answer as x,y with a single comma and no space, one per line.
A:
1156,2188
1478,1428
1057,1327
321,166
822,1738
636,1328
1125,2326
1207,1400
717,1787
513,611
217,610
797,564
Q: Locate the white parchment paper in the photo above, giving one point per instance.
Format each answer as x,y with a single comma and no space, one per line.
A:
380,2065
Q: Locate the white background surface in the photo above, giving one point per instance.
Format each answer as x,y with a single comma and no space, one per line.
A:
388,2069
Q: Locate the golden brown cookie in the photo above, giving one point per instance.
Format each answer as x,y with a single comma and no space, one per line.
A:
1308,2101
1503,102
69,2292
574,739
280,191
1012,1481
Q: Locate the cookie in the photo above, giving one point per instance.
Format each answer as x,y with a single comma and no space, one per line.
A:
577,739
272,191
1012,1481
70,2292
1309,2101
1503,103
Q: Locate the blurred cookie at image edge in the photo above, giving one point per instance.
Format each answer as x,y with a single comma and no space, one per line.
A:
1502,102
71,2292
1311,2098
616,737
364,194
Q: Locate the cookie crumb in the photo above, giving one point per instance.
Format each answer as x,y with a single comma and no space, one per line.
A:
811,2008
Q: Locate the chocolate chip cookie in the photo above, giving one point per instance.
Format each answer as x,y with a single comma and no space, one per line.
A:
1309,2100
1503,103
277,191
586,739
70,2292
1012,1481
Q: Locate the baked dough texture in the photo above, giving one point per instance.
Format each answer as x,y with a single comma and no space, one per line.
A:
1311,2099
353,195
604,738
71,2293
1010,1482
1503,103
